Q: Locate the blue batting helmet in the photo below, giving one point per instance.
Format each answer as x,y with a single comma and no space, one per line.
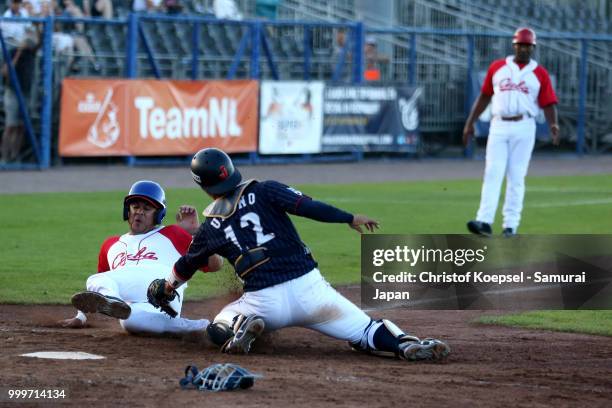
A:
149,191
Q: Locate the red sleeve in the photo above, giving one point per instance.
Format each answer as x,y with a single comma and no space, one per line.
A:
178,236
180,239
487,84
103,255
547,94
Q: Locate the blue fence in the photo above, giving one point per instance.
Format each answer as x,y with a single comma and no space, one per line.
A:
207,48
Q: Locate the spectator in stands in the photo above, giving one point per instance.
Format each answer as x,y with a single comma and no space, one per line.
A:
373,60
77,32
340,41
173,6
49,8
226,9
23,41
147,6
337,49
15,32
97,8
63,43
203,7
46,8
28,6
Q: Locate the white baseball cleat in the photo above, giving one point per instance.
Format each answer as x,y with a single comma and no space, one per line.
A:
94,302
249,330
428,349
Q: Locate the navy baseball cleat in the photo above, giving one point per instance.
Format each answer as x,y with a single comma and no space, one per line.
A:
428,349
94,302
480,228
249,330
508,232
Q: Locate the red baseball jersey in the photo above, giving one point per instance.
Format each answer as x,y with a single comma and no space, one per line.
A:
518,89
161,247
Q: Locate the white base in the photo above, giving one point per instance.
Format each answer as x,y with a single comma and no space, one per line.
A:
64,355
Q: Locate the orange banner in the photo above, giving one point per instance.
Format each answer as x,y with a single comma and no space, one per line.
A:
157,118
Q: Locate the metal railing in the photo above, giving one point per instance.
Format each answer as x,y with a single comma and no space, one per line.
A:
184,47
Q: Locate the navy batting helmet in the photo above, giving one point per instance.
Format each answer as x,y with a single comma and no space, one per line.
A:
213,170
149,191
524,35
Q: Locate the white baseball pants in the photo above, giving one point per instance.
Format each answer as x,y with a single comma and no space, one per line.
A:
308,301
509,149
130,284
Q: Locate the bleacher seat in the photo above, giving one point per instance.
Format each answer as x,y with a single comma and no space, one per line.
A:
171,43
117,36
154,38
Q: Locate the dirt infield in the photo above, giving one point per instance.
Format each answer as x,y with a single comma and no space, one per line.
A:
490,366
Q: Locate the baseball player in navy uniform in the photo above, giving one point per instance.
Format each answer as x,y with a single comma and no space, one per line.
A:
248,223
517,87
127,263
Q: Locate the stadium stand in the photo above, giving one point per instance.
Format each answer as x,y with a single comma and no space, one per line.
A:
440,59
445,56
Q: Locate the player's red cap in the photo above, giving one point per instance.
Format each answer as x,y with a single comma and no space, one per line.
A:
524,35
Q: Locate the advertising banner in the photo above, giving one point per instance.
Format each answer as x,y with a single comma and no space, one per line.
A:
157,118
368,118
291,117
93,118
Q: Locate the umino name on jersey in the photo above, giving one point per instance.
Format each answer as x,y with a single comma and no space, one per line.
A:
249,199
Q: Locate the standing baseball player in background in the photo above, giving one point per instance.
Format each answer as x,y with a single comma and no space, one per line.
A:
127,263
248,223
516,87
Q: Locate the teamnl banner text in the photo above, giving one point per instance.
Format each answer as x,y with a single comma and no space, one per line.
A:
157,118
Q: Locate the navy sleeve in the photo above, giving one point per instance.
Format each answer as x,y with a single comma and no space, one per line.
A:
282,196
320,211
294,202
195,258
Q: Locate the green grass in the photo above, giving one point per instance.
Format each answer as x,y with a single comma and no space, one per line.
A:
575,321
49,242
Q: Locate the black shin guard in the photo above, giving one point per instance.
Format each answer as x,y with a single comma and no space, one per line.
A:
384,340
382,337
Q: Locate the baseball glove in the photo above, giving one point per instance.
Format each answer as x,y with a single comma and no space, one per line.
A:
156,293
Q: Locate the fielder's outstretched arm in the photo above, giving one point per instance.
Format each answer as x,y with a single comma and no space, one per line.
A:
320,211
292,201
359,220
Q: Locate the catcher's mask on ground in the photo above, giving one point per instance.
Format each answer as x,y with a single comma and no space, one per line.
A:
213,170
150,192
218,377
